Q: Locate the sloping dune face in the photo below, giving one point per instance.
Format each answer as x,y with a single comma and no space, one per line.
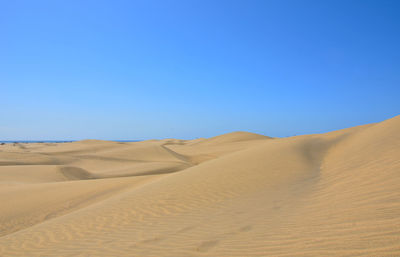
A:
239,194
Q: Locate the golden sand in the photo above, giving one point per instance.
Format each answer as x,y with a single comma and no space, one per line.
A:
238,194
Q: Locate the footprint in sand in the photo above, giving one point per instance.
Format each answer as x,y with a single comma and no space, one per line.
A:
207,245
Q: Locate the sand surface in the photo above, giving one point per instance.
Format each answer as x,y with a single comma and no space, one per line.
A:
238,194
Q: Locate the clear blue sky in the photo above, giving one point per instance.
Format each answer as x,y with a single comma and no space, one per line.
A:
185,69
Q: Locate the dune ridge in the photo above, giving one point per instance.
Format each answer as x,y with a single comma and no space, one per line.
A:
238,194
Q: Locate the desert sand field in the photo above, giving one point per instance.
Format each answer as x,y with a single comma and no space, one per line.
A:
238,194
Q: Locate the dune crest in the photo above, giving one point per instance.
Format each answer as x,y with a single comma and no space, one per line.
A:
233,137
238,194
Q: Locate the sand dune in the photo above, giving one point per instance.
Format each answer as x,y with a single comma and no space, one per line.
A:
231,137
238,194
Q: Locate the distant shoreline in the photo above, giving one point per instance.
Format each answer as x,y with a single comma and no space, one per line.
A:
53,141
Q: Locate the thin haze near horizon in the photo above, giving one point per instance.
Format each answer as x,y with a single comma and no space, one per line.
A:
187,69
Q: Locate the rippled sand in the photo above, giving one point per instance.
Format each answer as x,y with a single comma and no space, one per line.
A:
238,194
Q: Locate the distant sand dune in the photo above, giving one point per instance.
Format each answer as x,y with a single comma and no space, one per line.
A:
232,137
239,194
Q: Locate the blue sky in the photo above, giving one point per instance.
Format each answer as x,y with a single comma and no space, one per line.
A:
187,69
